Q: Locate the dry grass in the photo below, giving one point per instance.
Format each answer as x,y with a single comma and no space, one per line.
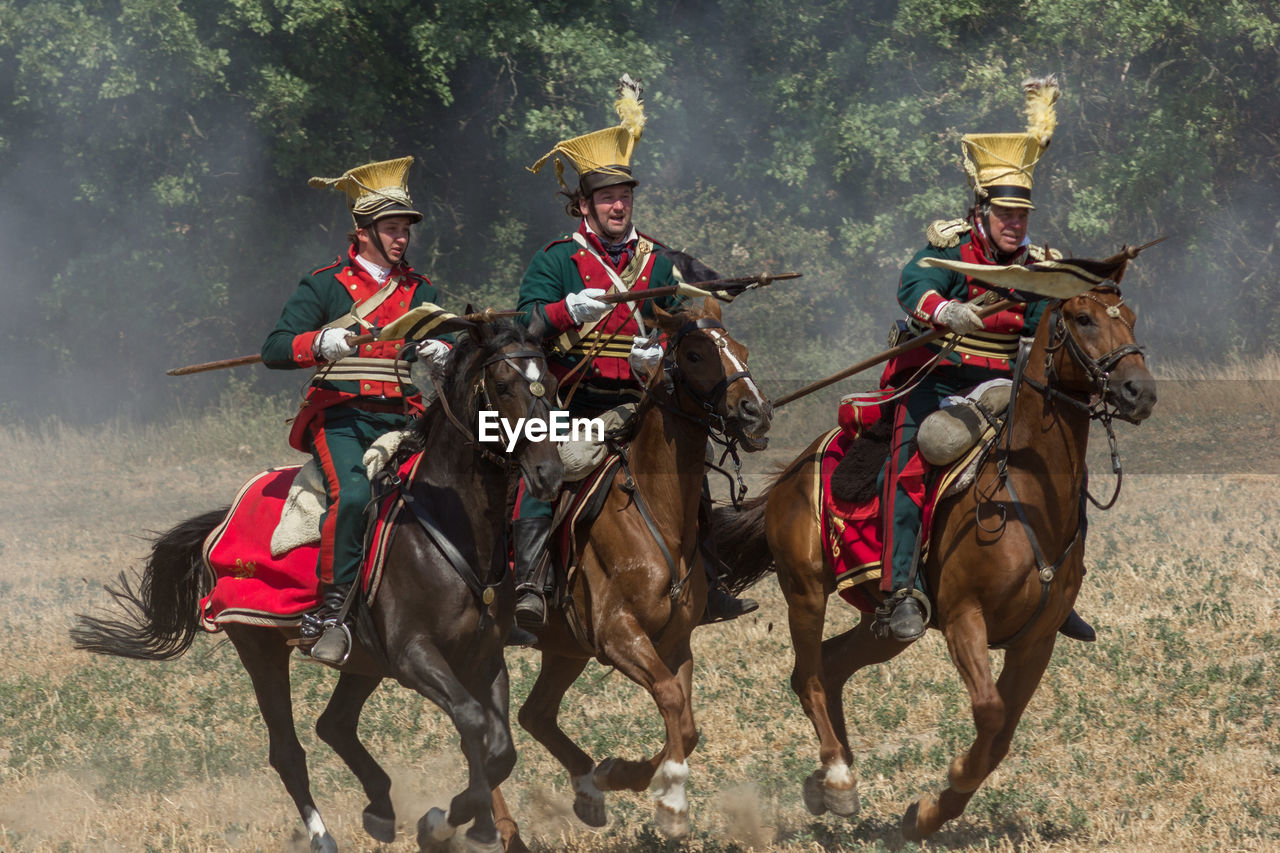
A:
1162,736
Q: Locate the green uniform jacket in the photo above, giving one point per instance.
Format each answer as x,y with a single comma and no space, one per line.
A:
322,297
922,290
564,267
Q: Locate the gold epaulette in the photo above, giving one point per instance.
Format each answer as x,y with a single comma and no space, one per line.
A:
945,233
1040,253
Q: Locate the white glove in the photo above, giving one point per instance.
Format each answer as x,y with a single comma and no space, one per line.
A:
958,317
585,307
433,353
644,357
332,344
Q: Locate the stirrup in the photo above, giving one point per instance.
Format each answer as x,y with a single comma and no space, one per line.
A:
904,616
531,609
334,646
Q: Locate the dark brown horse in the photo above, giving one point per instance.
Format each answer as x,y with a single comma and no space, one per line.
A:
438,624
1004,567
640,587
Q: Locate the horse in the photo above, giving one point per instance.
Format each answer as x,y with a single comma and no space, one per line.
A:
441,617
639,587
1005,563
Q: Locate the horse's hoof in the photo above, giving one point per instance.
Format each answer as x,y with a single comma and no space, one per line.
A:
324,844
912,828
590,810
434,831
815,799
841,801
474,846
379,828
673,825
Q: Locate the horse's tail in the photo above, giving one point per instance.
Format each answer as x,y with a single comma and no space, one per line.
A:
741,544
158,621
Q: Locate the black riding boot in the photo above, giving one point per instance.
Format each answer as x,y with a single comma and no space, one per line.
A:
904,616
334,643
529,541
1077,629
721,605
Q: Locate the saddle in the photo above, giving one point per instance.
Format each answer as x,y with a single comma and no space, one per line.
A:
250,583
952,443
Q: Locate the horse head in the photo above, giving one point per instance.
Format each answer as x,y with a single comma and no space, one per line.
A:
705,372
498,367
1092,351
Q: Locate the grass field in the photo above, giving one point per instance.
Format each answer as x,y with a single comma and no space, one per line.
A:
1164,735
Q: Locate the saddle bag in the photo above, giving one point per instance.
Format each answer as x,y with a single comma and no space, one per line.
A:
948,433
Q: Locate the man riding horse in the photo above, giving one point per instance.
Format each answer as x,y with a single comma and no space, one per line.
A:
353,398
600,352
999,168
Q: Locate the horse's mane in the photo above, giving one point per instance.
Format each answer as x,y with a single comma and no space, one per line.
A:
466,360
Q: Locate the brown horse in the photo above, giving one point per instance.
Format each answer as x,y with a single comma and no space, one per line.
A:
1005,564
442,614
640,587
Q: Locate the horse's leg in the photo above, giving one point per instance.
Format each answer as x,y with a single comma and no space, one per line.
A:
507,828
842,656
669,777
630,650
337,727
800,575
421,667
539,717
266,658
996,712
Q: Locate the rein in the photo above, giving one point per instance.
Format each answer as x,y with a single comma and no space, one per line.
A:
716,424
1098,408
485,589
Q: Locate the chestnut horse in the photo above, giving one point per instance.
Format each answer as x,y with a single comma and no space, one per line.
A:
640,588
443,611
1004,567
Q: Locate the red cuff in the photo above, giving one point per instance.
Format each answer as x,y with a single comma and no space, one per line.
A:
558,316
929,305
304,353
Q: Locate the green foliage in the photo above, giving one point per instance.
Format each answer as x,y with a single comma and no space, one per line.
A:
171,142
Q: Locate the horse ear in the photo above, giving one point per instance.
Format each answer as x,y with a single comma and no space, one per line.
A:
666,321
711,307
690,268
538,325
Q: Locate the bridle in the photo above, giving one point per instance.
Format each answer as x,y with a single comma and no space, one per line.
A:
1097,369
709,406
1099,407
479,399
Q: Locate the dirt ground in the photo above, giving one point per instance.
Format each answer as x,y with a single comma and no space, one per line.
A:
1161,736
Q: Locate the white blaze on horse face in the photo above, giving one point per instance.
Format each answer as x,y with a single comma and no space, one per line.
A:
738,366
532,372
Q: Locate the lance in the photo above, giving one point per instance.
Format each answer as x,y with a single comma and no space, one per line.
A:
1055,279
733,286
401,328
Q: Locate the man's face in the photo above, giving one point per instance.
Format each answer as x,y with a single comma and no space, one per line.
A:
608,211
393,232
1007,227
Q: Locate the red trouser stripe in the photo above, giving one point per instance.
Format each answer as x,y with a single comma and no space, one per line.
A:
324,566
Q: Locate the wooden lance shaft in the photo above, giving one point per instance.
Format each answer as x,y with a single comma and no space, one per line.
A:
718,285
488,315
984,311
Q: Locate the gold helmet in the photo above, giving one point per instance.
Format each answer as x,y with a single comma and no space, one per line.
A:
375,191
603,158
999,165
